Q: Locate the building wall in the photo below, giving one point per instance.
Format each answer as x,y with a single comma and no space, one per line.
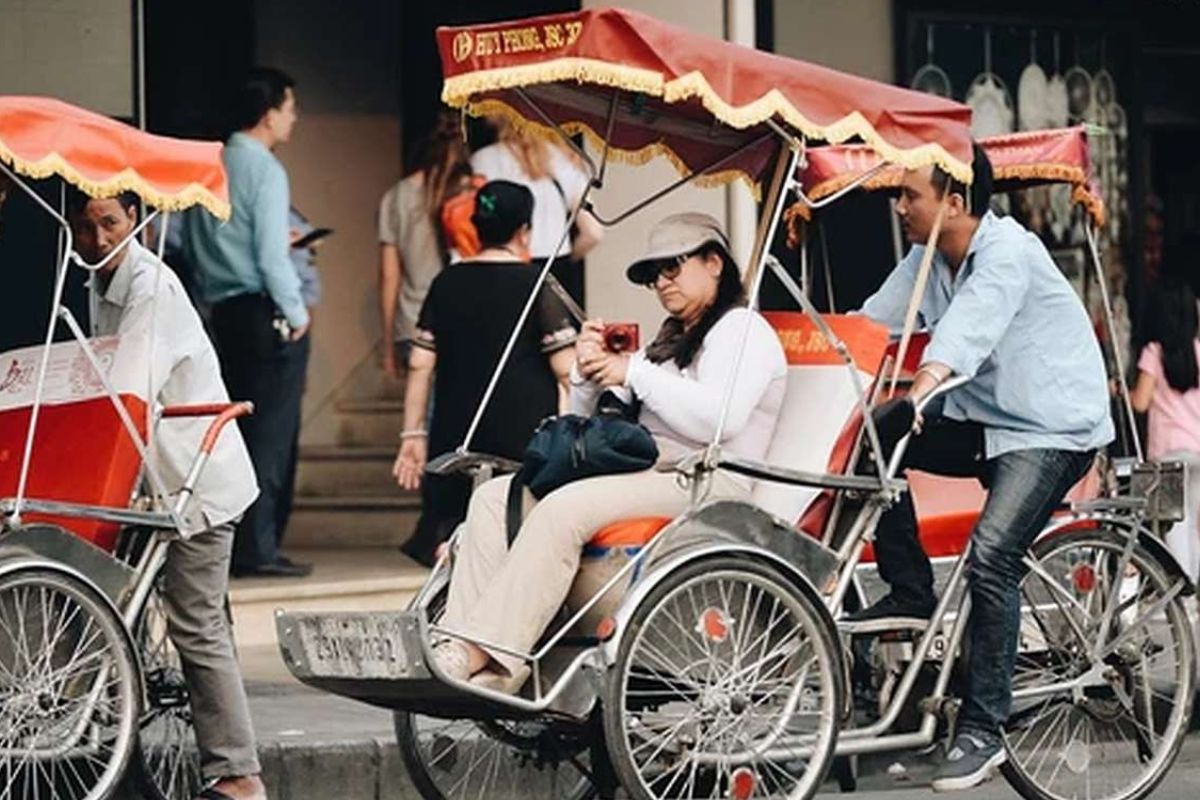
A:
850,35
80,51
344,154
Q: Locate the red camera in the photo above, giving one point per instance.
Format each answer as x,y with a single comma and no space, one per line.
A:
621,337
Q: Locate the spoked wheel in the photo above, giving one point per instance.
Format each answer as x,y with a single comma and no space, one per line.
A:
457,759
168,760
1104,679
449,759
69,694
727,684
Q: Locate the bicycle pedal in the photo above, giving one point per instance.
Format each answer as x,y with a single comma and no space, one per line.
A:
889,629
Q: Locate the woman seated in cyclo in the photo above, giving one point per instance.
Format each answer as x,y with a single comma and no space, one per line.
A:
507,596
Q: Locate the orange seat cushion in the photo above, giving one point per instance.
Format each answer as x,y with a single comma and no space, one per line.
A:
636,532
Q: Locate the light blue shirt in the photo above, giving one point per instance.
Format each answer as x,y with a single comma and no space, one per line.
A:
249,253
1011,322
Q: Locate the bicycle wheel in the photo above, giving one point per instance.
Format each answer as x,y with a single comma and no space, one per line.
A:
69,694
727,683
168,760
448,759
1104,680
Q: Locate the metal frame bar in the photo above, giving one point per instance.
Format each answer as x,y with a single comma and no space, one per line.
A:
1110,323
671,188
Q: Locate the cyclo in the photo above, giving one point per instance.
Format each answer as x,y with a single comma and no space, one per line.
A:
90,683
702,656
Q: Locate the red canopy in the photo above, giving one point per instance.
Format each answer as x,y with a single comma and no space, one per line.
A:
40,137
675,85
1019,160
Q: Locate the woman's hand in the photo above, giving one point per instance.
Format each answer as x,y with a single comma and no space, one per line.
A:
410,463
611,370
589,348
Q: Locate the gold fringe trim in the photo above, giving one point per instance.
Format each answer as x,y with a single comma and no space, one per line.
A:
1094,205
498,108
799,213
458,90
1056,173
127,180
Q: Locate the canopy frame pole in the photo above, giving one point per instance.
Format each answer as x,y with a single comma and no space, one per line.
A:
790,153
858,181
554,126
1111,324
60,282
608,129
609,222
828,268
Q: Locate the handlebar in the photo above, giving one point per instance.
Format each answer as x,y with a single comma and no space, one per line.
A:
466,460
946,386
224,412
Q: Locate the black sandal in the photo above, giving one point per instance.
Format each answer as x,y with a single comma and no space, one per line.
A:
213,793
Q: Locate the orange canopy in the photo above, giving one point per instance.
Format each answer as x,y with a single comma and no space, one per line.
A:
40,137
692,98
1019,160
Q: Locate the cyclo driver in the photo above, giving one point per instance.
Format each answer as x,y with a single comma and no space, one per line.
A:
1027,426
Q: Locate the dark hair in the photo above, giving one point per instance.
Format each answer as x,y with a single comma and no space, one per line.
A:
501,208
77,201
1173,325
263,89
675,343
445,161
979,196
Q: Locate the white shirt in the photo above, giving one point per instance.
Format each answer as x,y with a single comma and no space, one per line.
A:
682,408
405,222
184,371
550,206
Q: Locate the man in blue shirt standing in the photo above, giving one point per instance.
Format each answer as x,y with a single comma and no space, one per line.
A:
1027,425
259,318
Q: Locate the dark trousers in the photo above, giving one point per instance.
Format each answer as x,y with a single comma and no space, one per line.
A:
1024,487
259,367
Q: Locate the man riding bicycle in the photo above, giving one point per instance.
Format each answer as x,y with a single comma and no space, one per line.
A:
1027,426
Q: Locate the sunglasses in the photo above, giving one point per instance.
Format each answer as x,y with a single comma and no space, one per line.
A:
668,268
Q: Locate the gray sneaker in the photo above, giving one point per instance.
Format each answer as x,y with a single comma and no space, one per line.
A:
972,760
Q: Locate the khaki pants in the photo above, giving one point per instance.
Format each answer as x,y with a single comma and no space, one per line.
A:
196,579
508,597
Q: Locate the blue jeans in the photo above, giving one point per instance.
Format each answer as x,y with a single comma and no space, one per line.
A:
1024,488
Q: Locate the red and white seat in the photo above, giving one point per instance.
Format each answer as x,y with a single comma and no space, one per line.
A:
82,453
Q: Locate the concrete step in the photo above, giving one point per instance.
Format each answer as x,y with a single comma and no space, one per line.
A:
369,422
332,470
351,579
353,521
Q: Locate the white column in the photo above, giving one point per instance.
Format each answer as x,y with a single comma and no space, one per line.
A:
742,210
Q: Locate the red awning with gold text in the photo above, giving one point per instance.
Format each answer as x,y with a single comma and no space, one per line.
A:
1019,160
694,99
40,137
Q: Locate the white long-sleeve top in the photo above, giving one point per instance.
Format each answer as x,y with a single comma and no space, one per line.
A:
682,408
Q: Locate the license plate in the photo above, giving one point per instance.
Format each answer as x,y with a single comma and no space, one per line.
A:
350,645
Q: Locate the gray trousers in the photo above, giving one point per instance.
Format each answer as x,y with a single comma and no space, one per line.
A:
195,581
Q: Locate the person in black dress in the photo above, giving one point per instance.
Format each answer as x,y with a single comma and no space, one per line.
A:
464,324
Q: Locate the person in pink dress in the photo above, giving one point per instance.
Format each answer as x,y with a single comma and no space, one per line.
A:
1168,386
